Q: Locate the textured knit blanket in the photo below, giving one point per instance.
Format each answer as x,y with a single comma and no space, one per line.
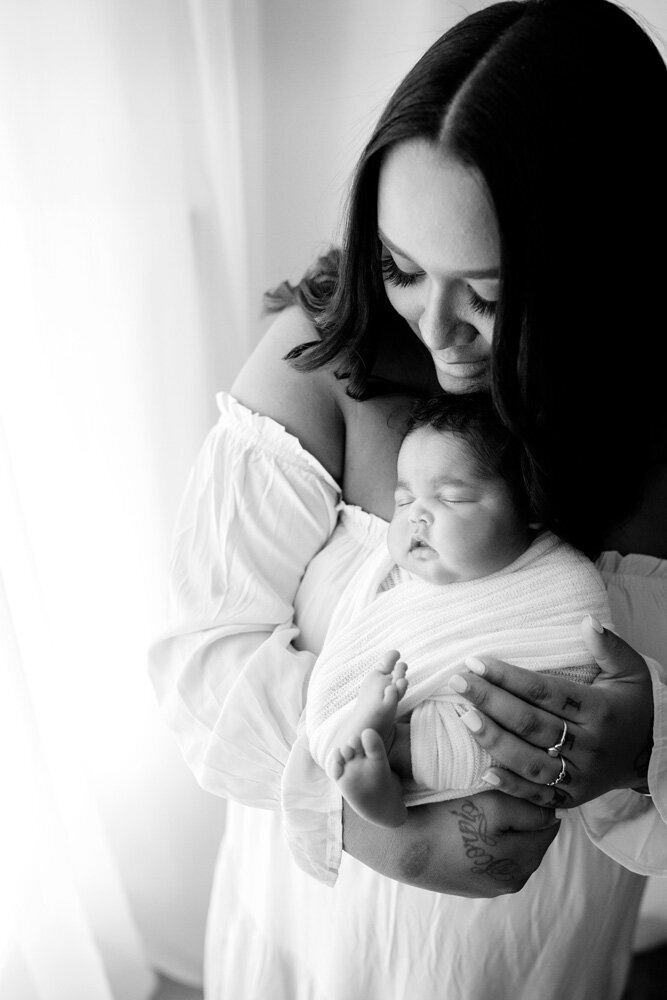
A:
528,613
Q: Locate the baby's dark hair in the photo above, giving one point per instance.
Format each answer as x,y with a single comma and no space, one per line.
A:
472,417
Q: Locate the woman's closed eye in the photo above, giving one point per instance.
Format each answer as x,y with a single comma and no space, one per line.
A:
485,307
392,273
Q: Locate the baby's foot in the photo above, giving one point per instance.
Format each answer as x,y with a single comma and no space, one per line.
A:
360,765
377,701
365,779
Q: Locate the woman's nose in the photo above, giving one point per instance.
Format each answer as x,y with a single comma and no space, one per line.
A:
439,324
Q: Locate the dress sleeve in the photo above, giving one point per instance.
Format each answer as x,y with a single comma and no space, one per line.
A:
629,827
232,686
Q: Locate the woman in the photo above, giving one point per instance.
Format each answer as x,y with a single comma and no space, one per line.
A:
498,235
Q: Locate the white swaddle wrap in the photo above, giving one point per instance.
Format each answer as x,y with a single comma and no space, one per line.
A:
528,613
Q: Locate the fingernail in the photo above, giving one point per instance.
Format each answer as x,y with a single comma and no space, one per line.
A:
477,667
491,779
560,813
594,623
458,683
472,720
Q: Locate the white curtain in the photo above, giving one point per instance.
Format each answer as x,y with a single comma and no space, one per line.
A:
124,306
161,162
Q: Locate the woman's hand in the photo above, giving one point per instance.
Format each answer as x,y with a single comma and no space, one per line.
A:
609,724
483,846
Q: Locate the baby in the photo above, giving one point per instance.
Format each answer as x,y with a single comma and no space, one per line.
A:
465,574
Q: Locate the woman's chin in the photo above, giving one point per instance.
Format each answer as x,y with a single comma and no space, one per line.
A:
473,379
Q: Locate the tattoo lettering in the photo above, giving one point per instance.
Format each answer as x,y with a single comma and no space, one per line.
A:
641,761
568,742
476,841
571,703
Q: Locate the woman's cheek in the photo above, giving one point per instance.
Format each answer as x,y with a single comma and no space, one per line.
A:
404,301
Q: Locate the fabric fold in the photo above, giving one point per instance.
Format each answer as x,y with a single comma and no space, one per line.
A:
256,511
528,613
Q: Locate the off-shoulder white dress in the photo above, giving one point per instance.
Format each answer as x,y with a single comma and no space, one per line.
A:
263,540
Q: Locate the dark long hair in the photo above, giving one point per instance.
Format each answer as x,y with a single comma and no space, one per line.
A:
560,105
472,417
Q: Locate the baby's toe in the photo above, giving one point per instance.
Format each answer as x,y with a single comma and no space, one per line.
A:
388,661
336,766
400,670
373,744
390,696
401,686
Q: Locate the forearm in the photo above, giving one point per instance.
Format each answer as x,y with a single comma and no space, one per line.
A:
465,847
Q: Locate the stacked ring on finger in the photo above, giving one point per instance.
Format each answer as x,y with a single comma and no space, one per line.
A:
561,776
555,750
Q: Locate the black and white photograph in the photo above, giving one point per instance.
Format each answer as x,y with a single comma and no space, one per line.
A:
333,500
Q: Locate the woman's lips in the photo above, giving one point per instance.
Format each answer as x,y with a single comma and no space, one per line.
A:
462,369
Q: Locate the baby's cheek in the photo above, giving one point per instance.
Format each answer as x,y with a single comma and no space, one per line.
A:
396,542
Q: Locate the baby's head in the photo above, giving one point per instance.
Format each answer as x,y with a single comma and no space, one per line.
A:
461,507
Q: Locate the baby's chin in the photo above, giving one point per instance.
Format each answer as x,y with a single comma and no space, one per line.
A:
426,564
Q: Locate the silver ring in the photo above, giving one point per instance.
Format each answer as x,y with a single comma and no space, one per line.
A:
561,776
555,750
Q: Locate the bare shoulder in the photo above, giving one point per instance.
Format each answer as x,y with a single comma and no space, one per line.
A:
305,403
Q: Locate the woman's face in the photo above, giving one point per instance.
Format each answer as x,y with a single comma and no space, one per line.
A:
441,258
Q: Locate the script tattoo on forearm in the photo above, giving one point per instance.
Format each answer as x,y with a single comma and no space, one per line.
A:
476,844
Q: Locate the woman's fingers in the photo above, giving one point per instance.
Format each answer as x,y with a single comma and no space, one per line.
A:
518,734
551,797
513,697
492,681
602,732
623,705
612,654
528,762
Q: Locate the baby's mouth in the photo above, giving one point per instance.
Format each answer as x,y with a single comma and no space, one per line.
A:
417,542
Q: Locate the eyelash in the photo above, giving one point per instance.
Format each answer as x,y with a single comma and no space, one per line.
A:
393,274
482,306
406,503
